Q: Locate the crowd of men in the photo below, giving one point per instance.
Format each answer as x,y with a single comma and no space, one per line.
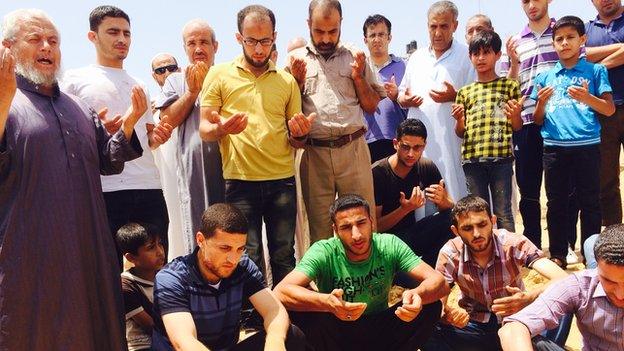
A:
388,172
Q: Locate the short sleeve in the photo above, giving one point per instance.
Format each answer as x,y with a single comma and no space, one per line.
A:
538,83
313,261
378,183
210,95
459,99
525,252
431,173
601,80
405,257
170,294
446,264
254,281
131,297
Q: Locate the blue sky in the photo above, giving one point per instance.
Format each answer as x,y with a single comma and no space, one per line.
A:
157,24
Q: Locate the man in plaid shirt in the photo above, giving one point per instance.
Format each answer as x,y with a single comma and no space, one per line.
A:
486,265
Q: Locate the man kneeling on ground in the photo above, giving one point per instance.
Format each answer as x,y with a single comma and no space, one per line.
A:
486,264
354,272
198,297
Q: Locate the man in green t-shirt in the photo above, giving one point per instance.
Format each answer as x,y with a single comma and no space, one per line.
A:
353,272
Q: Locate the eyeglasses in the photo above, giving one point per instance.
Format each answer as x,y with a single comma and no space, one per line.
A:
415,148
253,42
170,68
377,35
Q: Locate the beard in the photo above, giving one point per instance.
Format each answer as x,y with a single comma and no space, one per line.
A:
325,48
256,64
28,71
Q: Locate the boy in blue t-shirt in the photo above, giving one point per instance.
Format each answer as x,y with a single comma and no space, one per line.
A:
568,96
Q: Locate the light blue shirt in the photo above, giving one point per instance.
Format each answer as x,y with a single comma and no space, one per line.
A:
568,122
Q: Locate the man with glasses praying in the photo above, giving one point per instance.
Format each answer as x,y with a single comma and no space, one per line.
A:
162,66
412,201
253,110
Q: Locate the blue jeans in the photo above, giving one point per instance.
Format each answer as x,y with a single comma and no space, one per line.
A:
275,203
565,169
495,177
588,246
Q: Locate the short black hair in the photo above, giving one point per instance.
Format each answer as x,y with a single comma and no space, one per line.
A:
255,9
326,5
376,19
485,40
133,235
412,127
224,217
345,202
97,15
569,21
610,245
470,203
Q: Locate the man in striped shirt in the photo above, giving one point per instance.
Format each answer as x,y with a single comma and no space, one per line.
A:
486,265
595,296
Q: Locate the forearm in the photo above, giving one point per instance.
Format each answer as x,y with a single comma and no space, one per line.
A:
460,128
298,298
615,59
538,114
391,219
208,131
276,327
515,336
514,69
153,144
366,95
599,53
516,122
188,344
433,288
179,111
602,106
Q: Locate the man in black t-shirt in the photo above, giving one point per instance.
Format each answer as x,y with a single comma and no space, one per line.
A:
411,199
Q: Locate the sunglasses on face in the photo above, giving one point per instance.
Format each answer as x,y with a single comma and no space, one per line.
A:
170,68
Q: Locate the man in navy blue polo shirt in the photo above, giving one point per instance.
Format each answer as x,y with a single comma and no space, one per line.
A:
604,32
382,123
198,297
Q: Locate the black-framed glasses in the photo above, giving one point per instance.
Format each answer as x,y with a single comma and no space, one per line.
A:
415,148
170,68
252,42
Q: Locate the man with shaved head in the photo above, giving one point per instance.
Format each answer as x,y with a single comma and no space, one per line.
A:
163,65
59,286
200,180
338,85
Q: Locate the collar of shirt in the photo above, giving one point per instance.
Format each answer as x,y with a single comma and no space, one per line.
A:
467,257
446,54
240,63
580,65
599,291
392,59
599,22
25,84
527,31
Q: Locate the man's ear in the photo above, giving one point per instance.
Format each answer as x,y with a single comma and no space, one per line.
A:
199,238
130,257
583,39
493,218
454,230
239,38
7,43
92,36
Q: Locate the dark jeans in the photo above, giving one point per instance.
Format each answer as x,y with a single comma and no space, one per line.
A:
147,206
275,202
427,236
380,149
580,165
484,178
295,340
380,331
528,147
611,141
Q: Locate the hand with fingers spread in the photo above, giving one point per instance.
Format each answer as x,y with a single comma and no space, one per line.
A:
195,75
457,111
7,76
298,70
358,66
518,299
417,200
410,307
513,107
391,89
447,94
232,125
112,125
345,311
437,194
299,125
544,94
406,99
160,133
580,94
456,316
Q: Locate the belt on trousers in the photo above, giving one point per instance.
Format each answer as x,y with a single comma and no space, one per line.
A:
336,143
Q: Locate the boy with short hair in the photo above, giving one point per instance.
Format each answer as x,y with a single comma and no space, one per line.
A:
140,244
568,97
486,111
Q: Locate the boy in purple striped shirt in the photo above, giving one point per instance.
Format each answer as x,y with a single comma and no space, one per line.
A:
595,296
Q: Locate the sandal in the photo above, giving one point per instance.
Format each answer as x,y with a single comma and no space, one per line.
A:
559,262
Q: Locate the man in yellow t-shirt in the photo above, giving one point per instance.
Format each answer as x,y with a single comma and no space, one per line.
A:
253,110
